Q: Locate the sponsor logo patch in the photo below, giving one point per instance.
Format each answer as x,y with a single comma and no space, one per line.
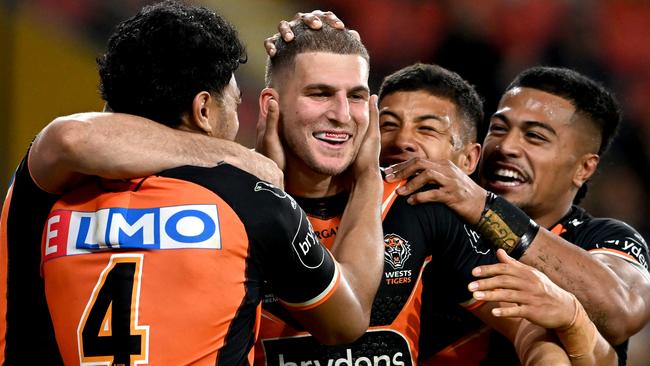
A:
70,232
374,348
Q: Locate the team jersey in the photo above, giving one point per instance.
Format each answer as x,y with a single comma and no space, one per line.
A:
415,237
26,333
596,235
168,269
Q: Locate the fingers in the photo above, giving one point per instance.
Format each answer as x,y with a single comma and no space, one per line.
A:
272,118
511,311
421,178
407,169
373,112
355,34
503,257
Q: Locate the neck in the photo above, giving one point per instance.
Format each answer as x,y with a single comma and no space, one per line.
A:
548,217
301,181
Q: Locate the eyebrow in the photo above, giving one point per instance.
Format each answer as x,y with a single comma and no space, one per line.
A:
527,124
417,119
321,86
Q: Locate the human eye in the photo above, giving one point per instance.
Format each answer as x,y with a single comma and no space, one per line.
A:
497,128
388,125
358,97
536,136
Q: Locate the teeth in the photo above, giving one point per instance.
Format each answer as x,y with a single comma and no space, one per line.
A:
332,136
507,173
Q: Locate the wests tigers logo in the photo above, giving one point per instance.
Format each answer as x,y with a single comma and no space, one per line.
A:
397,251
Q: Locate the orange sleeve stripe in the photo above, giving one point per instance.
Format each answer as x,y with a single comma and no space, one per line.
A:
321,298
615,252
472,304
389,196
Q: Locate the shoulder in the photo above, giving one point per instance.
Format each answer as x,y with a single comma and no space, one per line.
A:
608,236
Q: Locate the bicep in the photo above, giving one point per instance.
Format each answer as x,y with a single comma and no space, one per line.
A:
636,281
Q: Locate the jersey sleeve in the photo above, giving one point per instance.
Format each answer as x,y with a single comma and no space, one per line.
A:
301,270
459,249
614,237
283,245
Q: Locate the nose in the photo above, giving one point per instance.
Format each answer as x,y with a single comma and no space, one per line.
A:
509,144
405,140
339,108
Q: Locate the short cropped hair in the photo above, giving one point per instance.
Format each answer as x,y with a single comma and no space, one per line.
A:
590,99
157,61
326,39
443,83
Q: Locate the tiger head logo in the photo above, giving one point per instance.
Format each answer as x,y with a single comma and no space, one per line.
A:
397,251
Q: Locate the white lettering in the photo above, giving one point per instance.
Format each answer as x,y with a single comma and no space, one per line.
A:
397,362
144,223
380,360
49,249
282,363
348,360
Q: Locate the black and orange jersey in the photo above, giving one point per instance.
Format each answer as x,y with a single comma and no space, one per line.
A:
26,333
468,336
415,237
168,269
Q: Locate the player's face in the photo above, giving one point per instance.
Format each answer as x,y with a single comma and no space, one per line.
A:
530,153
324,111
418,124
226,122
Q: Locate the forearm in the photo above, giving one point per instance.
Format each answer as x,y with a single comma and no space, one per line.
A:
113,145
583,343
595,285
538,346
359,244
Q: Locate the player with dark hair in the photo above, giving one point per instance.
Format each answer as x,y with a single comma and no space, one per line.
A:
168,268
315,130
421,86
543,144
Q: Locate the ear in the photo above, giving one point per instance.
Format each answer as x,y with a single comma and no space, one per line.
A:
468,159
202,107
587,165
265,95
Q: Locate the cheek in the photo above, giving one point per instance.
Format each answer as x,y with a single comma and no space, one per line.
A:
360,114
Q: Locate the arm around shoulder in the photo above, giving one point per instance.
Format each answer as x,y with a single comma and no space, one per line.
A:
115,145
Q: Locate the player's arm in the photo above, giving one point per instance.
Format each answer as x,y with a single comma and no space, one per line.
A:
532,296
615,293
114,145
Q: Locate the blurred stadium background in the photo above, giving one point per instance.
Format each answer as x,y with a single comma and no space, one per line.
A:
48,48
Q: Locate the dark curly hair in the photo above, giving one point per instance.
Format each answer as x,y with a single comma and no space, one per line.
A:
590,99
443,83
158,60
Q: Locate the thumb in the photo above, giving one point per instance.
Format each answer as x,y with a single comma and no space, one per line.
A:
272,117
505,258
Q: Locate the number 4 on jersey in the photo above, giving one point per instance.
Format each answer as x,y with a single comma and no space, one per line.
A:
109,333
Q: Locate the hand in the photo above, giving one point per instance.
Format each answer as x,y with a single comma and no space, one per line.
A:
313,20
268,133
453,187
538,299
367,159
261,167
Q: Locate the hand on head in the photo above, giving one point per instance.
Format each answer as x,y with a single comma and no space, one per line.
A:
313,20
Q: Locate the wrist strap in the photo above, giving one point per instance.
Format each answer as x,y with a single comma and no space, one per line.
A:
506,226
